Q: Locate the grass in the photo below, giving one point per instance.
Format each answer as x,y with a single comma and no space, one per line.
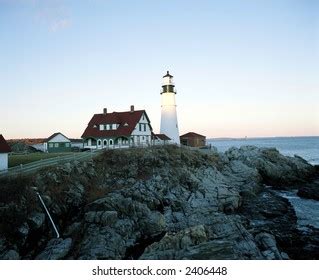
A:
15,160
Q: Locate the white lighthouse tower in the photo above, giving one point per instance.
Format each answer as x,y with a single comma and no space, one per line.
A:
169,125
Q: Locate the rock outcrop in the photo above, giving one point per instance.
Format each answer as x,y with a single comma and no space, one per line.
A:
309,190
160,203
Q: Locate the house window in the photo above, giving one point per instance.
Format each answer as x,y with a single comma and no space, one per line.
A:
104,142
142,126
51,145
105,127
67,145
99,142
56,145
111,142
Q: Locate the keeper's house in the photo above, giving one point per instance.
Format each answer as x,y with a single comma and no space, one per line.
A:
4,151
57,143
118,129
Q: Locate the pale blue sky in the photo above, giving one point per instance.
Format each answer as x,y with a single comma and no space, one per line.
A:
241,68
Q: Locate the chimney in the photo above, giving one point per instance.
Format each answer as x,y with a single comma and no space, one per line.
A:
104,111
132,108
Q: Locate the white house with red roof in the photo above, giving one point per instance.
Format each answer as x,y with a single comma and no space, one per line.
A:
4,151
118,129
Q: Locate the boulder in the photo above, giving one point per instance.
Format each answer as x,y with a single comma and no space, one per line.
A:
221,238
309,190
56,249
268,245
101,217
36,220
10,255
274,168
101,242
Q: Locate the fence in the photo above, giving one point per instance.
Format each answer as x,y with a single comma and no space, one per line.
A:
33,166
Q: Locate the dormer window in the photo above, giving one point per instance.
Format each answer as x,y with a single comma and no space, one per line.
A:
126,124
110,126
95,126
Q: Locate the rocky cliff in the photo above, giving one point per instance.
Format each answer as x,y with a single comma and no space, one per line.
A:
160,203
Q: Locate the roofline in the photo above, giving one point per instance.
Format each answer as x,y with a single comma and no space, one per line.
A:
83,136
192,133
6,146
162,134
55,134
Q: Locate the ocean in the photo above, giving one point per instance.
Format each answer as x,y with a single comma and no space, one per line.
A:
306,209
305,147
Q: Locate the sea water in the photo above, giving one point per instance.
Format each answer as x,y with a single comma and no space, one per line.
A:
305,147
306,209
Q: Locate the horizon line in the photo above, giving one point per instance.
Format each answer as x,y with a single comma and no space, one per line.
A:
259,137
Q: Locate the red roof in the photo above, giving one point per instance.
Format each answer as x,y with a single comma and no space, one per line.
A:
127,122
192,134
4,147
162,137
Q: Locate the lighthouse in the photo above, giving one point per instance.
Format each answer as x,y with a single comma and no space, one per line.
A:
169,125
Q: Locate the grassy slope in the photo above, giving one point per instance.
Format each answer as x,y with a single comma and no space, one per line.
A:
27,158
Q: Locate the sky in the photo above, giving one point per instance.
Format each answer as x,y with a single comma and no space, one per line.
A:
241,68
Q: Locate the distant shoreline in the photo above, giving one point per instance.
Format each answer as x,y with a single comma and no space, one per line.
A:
257,138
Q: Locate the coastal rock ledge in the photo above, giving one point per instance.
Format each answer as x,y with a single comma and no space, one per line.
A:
161,203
